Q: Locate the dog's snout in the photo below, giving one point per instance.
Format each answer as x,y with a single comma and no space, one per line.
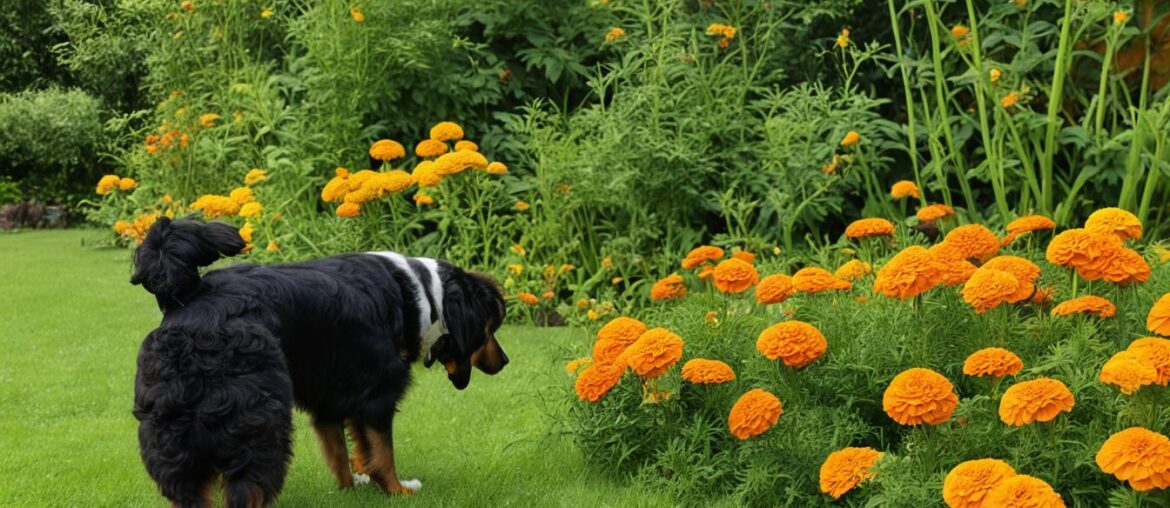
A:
503,358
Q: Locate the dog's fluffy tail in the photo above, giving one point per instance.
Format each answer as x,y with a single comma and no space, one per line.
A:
167,263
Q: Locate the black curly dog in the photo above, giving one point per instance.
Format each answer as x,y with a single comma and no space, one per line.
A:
348,326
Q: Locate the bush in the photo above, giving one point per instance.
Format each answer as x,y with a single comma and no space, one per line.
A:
50,141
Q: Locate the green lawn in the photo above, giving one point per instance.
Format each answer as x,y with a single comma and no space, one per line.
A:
71,325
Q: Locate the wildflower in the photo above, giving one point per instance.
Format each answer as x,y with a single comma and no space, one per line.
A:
843,38
1155,352
255,176
522,206
387,150
423,199
1138,456
251,210
851,138
969,483
1009,100
455,162
430,148
974,241
596,380
519,249
655,352
272,246
496,168
735,276
592,315
853,269
700,255
864,228
1088,304
1038,400
774,289
615,336
994,75
727,31
446,131
671,287
960,31
918,396
993,361
1127,372
1114,220
812,280
356,13
208,120
515,268
616,280
754,413
1023,491
614,34
1120,17
348,210
905,189
703,372
908,274
607,262
528,298
845,469
213,205
1025,272
266,13
796,343
744,256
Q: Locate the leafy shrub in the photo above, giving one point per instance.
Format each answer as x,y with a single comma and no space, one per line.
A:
49,142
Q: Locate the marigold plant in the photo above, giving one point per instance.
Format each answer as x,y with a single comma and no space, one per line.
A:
670,287
1088,304
702,371
596,380
993,361
864,228
1158,320
1023,491
845,469
1138,456
1038,400
655,352
969,483
796,343
734,276
812,280
774,289
754,413
918,396
1128,372
1155,352
908,274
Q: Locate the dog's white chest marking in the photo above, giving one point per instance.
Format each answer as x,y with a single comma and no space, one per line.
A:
429,330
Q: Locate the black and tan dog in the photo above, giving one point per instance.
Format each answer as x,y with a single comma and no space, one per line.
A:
349,328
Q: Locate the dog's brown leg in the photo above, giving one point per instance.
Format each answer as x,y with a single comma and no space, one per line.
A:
359,457
336,456
381,463
252,498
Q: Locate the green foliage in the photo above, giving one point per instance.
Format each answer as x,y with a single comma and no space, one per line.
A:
27,34
49,141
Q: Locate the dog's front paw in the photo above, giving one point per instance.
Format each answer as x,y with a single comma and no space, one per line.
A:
410,487
360,479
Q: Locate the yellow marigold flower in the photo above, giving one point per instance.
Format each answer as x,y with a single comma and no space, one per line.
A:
123,228
597,380
974,241
931,213
960,31
213,205
993,361
446,131
735,276
208,119
615,337
266,13
614,34
616,280
348,210
700,255
670,287
496,168
335,190
796,343
455,162
969,483
516,268
107,184
272,246
1023,491
592,315
905,189
426,175
465,145
853,270
851,138
251,210
1128,372
127,183
423,199
387,150
918,396
843,38
519,249
908,274
1114,220
242,195
1038,400
356,13
522,205
813,280
1009,100
655,352
726,31
952,264
575,364
430,148
1138,456
1154,351
395,180
988,288
774,289
864,228
1088,304
994,74
607,262
246,234
1120,17
754,413
701,371
845,469
255,176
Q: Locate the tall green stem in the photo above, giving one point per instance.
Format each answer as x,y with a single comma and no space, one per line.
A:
940,95
994,162
910,120
1055,96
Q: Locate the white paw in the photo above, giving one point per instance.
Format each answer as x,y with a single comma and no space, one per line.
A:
361,479
414,485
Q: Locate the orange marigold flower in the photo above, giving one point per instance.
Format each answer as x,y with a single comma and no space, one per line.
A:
851,138
466,145
1114,220
596,380
447,131
615,337
931,213
1088,304
959,31
863,228
968,484
208,119
774,289
726,31
548,295
908,274
974,241
349,210
1023,491
107,184
214,205
1124,267
528,298
496,168
423,199
1025,272
988,288
1038,400
1128,372
755,412
1139,456
796,343
575,364
425,174
993,361
1029,223
700,255
457,162
255,176
127,183
905,189
671,287
1081,249
655,352
918,396
428,148
614,34
735,276
702,372
1154,351
845,469
1010,99
357,14
853,269
812,280
953,267
744,256
387,150
1158,320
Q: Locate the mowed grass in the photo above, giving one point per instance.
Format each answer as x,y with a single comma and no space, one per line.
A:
71,324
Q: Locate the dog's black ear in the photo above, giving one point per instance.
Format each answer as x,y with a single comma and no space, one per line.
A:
167,263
